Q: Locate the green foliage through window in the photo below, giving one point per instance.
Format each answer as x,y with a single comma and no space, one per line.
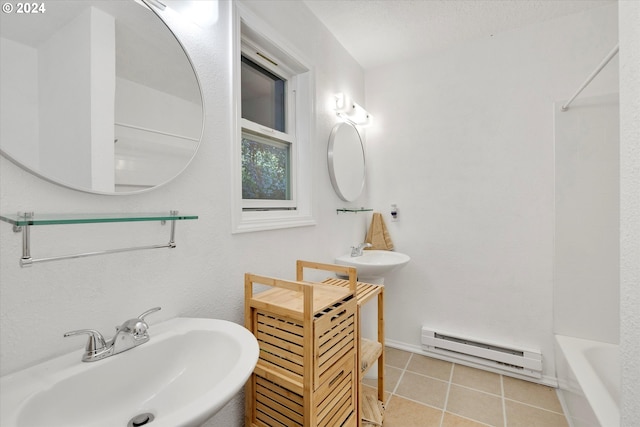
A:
265,170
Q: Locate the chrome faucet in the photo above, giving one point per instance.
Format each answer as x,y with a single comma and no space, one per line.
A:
357,250
130,334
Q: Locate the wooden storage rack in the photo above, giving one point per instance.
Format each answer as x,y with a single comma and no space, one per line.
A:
305,375
290,314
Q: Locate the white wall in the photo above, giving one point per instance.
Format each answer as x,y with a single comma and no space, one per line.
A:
47,89
144,106
19,103
145,158
463,143
203,276
75,77
587,219
103,87
629,16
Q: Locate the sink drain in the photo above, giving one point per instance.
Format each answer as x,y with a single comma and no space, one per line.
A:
141,420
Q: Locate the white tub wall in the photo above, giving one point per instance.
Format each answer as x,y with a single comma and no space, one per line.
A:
574,403
472,127
630,210
203,276
586,265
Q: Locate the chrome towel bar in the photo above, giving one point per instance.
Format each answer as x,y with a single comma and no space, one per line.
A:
22,223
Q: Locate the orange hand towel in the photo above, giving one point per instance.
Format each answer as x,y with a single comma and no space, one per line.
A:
378,235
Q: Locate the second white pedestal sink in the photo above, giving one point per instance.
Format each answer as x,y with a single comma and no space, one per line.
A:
374,263
372,266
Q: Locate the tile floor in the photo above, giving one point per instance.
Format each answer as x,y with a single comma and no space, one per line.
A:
426,392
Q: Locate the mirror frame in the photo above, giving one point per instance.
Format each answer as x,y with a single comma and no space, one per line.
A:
340,191
153,10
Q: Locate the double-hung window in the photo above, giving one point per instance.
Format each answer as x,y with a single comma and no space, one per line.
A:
273,93
268,144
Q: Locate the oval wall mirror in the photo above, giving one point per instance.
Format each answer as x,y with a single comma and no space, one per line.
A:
346,161
98,96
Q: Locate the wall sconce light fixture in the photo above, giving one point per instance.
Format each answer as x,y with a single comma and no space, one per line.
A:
351,112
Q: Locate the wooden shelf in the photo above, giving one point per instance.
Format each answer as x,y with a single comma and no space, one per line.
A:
370,351
293,301
364,291
372,411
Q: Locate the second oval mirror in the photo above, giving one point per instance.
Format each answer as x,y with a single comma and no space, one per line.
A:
346,161
97,96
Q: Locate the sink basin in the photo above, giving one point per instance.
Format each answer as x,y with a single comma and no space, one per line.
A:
188,371
374,263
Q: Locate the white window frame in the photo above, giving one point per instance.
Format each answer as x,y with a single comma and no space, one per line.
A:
252,35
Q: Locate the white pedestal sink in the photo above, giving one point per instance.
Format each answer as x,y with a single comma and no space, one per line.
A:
372,266
187,372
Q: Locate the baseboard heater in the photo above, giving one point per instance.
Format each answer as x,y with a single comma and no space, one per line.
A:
518,361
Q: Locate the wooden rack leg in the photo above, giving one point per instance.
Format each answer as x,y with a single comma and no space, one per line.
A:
381,340
359,413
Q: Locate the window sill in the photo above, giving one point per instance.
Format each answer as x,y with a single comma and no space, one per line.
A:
263,221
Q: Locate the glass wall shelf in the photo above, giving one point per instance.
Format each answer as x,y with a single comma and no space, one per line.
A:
23,221
355,210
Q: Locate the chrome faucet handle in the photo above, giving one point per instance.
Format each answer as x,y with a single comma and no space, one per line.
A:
137,326
95,343
357,250
148,312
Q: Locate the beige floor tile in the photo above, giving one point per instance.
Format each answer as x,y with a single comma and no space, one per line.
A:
435,368
405,413
475,405
391,377
477,379
531,393
520,415
452,420
396,358
423,389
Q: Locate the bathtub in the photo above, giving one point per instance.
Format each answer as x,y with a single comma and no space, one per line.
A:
589,381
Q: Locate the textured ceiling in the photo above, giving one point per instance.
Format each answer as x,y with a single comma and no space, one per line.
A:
378,32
